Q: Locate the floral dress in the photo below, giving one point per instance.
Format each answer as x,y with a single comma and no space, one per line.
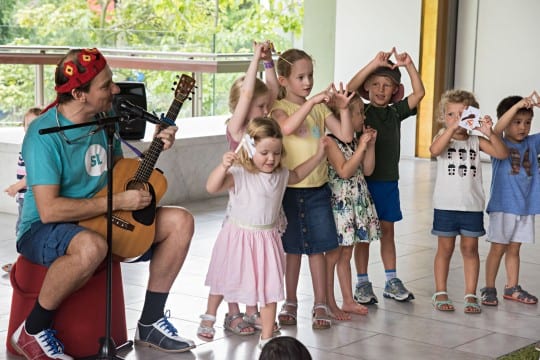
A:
352,204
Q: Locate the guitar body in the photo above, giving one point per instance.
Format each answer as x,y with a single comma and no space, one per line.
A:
132,231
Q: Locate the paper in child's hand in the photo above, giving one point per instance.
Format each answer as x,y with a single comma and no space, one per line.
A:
470,118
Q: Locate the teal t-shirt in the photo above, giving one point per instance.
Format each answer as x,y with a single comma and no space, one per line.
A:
80,168
387,121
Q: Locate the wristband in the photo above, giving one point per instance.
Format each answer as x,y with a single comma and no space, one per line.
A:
268,64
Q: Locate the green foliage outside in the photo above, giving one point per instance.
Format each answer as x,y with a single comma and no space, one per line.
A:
527,353
198,26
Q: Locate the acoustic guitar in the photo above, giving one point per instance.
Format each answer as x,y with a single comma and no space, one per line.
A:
133,231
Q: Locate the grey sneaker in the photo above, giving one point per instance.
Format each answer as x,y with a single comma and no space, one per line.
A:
394,289
363,294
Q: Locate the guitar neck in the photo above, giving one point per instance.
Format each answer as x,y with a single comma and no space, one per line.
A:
149,161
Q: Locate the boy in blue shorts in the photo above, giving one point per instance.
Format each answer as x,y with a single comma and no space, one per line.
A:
380,83
515,190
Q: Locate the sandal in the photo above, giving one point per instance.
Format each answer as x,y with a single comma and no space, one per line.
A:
206,332
253,318
516,293
489,296
238,328
7,267
324,318
471,307
442,305
286,316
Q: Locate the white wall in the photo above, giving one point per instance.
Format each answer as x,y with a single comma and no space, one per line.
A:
365,27
498,53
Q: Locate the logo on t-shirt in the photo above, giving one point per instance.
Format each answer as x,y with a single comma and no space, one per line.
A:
95,160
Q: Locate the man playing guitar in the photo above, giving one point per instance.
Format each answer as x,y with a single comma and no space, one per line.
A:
65,170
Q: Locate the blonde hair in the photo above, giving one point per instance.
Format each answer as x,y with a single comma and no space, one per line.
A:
285,63
235,91
36,111
455,97
260,128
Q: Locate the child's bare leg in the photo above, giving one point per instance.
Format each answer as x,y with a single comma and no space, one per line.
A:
361,258
331,260
445,249
493,261
268,318
388,246
345,282
471,266
317,266
292,273
250,309
511,262
213,304
208,322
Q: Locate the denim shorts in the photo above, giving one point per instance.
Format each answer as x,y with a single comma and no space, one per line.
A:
44,243
310,222
385,195
450,223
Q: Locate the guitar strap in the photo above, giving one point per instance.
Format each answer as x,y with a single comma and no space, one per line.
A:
133,148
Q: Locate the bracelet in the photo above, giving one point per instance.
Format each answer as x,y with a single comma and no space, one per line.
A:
268,64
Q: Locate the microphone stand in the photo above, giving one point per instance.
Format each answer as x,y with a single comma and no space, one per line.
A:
108,348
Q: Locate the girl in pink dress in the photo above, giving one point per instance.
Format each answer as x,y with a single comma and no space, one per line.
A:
247,263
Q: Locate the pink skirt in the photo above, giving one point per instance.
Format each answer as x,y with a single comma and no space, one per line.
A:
247,265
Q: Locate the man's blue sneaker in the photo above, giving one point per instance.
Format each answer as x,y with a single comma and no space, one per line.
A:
162,335
394,289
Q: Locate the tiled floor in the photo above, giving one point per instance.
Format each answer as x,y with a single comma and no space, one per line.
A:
391,330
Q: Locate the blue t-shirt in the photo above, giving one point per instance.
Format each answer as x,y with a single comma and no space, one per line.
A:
80,168
515,182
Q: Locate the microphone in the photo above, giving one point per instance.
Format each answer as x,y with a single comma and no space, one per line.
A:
127,108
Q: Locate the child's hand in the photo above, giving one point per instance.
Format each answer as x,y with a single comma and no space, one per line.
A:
267,50
323,144
365,138
486,125
258,50
340,98
324,96
373,134
529,101
11,190
228,159
402,59
381,59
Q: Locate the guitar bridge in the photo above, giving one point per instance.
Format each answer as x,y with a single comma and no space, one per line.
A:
121,223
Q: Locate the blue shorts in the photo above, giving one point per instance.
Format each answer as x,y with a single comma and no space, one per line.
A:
449,223
44,243
310,222
385,195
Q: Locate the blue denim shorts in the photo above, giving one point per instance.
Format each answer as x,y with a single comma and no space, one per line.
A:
44,243
450,223
310,222
385,195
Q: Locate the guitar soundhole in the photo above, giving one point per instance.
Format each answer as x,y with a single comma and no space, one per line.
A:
137,185
146,215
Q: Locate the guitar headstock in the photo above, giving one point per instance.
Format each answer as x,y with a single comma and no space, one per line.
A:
184,87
